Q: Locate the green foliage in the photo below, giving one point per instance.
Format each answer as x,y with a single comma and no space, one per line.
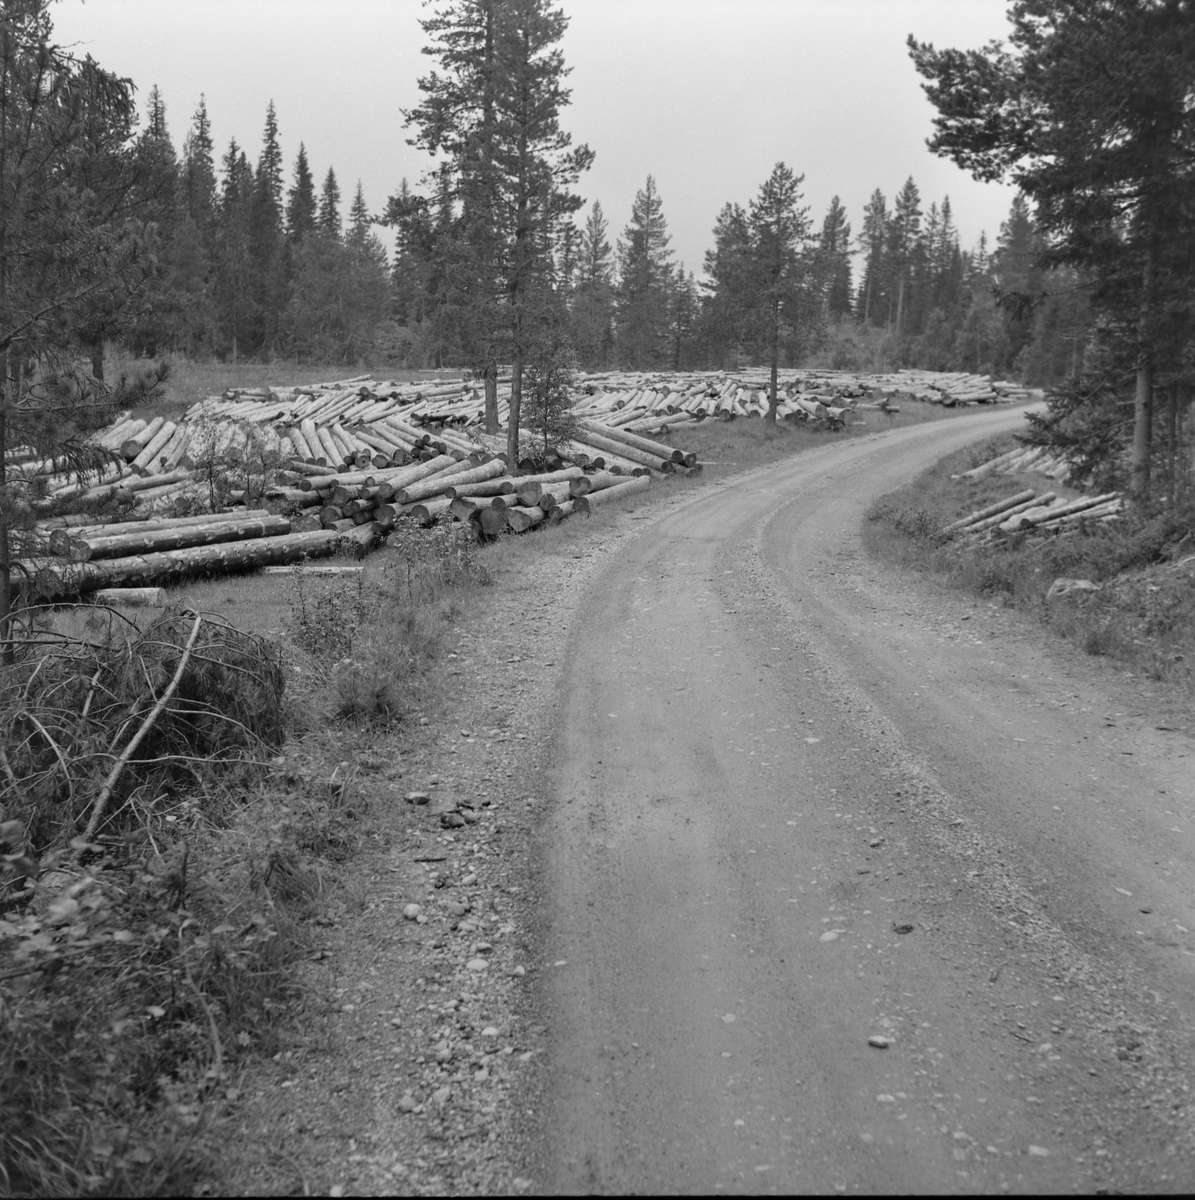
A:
548,418
644,272
376,640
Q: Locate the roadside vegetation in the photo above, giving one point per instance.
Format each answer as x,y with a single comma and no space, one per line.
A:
1143,613
180,803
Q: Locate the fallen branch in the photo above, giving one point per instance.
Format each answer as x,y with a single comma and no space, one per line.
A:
102,799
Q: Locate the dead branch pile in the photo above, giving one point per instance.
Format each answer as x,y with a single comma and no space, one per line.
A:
102,731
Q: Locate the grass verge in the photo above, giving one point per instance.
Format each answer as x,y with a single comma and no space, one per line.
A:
1142,612
142,967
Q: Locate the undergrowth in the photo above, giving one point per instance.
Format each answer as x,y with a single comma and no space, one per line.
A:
168,833
1143,610
378,641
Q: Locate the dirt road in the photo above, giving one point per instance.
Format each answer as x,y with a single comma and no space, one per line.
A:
802,804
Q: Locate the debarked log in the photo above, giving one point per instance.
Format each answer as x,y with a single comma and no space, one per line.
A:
150,541
57,578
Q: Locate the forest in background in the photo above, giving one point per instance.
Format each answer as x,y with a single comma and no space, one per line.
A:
498,259
254,266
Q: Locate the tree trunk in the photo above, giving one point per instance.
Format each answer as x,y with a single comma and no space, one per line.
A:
516,399
97,361
6,647
1143,397
490,379
774,354
1172,444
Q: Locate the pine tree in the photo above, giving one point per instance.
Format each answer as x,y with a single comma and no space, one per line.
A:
683,311
872,244
727,298
235,294
785,287
328,218
300,201
645,266
836,246
901,246
154,321
533,167
266,239
198,181
592,316
359,218
1088,112
71,242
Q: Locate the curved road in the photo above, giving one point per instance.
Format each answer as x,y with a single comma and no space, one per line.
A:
802,803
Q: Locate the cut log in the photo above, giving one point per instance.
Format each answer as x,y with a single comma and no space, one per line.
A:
558,512
520,518
151,541
361,539
431,509
654,450
142,461
316,569
491,522
503,485
59,578
622,489
449,478
529,491
991,510
143,597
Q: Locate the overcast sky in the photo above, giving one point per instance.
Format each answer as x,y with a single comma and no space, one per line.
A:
706,95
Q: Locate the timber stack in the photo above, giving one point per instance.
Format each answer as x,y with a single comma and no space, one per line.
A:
310,471
1030,511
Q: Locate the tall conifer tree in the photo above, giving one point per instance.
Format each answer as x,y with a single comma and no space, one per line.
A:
644,268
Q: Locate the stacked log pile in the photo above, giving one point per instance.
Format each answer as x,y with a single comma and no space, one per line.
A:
340,463
1040,459
1028,510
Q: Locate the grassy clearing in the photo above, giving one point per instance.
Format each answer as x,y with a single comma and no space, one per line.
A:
1144,613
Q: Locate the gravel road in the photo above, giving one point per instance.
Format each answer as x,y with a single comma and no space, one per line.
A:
851,885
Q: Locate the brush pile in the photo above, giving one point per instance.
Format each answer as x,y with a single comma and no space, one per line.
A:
102,730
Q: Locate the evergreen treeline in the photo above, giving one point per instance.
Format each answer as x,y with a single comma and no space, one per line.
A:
496,260
246,265
253,265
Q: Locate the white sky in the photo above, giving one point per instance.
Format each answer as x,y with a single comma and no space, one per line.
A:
706,95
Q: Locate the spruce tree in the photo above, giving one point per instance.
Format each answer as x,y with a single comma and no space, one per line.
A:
785,283
1088,111
198,177
71,241
836,247
592,313
300,200
872,245
644,268
235,293
727,302
266,238
328,217
902,240
533,168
